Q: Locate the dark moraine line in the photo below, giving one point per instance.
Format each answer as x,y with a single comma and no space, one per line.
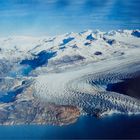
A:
130,87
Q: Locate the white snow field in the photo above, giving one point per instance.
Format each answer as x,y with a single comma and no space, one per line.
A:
75,68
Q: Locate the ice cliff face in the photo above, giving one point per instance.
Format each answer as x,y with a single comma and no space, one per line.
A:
70,70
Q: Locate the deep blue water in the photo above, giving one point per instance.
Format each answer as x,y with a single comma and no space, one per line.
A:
11,95
39,60
116,126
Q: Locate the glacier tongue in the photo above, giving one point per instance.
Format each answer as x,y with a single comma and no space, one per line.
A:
73,69
73,87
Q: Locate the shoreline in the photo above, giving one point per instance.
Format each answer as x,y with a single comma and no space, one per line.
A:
85,127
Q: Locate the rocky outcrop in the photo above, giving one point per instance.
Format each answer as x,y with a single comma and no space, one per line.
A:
37,113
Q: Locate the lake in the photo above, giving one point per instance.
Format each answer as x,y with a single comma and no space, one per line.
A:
115,126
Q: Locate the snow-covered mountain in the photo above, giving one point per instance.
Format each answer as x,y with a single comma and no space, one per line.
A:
66,74
65,50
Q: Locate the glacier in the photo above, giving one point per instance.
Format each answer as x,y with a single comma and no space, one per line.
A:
66,72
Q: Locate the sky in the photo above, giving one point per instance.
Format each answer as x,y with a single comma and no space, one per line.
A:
52,17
